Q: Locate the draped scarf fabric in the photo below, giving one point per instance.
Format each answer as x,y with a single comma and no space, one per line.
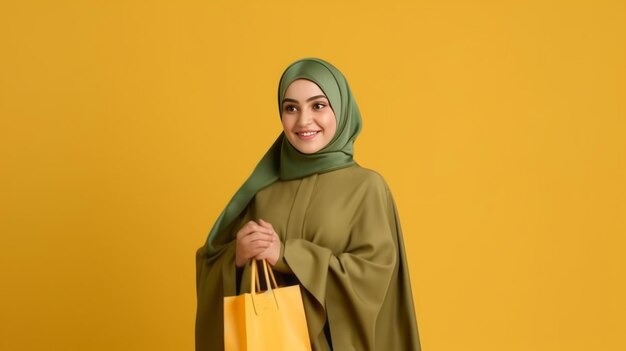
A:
282,160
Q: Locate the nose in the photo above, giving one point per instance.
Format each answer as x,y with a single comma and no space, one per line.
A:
305,118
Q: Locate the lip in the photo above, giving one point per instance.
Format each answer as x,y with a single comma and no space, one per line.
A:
301,135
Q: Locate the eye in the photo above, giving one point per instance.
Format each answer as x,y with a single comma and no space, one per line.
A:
289,108
319,106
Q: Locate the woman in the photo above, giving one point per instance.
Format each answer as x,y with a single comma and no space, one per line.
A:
320,220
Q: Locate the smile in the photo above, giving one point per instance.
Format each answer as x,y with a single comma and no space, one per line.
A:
309,134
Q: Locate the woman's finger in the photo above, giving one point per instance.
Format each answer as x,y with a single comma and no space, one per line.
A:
257,236
250,228
252,240
269,227
266,225
246,229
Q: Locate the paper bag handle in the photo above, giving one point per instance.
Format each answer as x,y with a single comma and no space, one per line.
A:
255,284
254,278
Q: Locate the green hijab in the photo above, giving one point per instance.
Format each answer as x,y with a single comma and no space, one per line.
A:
282,160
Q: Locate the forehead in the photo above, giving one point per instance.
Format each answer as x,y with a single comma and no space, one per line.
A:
302,88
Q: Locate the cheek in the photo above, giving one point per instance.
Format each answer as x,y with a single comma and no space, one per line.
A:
285,123
330,124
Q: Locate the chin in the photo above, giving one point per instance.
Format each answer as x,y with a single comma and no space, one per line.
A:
308,150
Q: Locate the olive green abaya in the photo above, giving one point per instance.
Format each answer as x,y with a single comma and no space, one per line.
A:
340,234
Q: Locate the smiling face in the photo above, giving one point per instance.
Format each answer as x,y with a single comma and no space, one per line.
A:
308,120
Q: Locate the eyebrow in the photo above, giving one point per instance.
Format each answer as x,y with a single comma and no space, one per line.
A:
307,100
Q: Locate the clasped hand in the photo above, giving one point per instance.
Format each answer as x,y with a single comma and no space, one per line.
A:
258,240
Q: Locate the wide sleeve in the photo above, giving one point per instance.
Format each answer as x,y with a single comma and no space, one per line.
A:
216,277
350,286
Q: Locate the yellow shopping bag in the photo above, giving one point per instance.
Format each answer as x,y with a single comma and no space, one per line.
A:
272,320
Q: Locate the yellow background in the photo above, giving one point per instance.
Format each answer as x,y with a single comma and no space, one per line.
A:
500,127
